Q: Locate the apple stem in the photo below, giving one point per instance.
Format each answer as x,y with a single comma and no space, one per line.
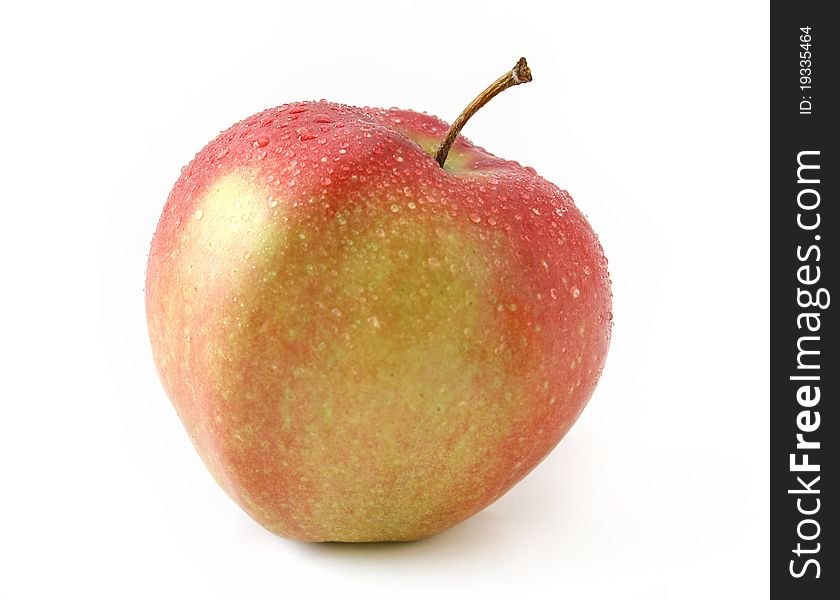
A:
520,73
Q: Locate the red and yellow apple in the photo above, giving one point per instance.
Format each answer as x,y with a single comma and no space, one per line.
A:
361,344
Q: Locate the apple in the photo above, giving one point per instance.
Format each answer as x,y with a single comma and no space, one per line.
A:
369,336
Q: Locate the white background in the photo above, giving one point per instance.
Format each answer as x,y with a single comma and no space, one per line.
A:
654,115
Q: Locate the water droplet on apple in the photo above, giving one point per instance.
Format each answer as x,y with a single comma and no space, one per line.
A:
395,208
198,214
411,205
326,181
575,292
475,218
304,134
222,153
272,203
261,142
553,293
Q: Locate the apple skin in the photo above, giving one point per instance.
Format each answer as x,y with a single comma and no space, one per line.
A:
362,345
